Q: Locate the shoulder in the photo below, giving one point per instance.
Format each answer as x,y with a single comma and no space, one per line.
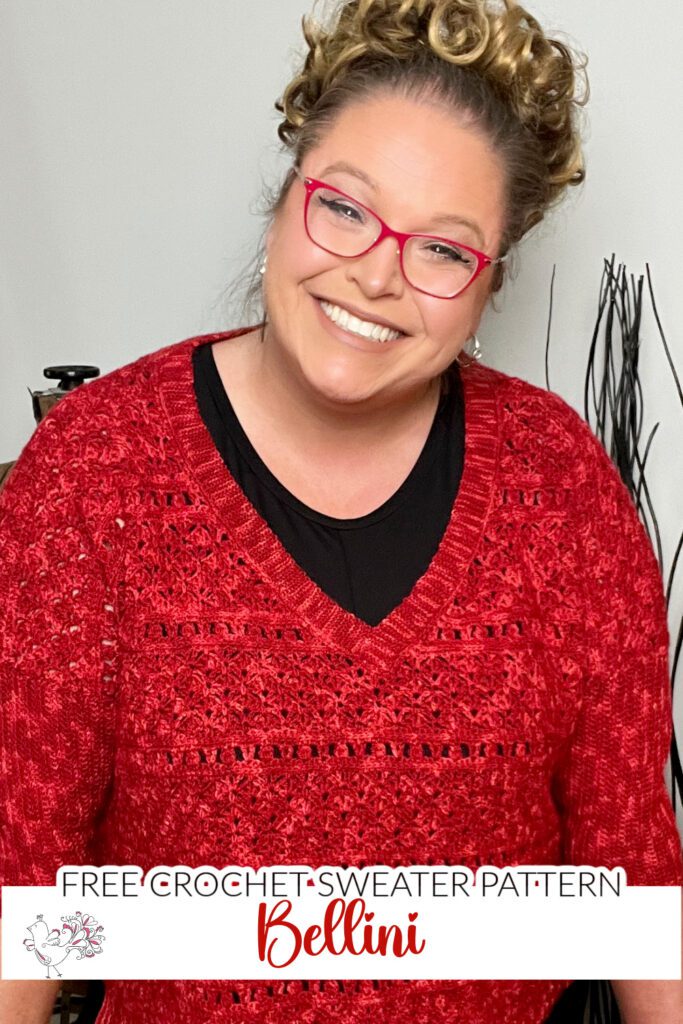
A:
545,430
547,444
536,408
551,458
120,408
124,398
106,434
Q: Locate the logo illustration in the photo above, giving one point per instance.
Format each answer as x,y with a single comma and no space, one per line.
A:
80,933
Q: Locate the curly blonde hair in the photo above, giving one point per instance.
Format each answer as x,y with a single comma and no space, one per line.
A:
489,62
493,64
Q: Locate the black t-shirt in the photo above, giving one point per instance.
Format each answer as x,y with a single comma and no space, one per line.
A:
367,564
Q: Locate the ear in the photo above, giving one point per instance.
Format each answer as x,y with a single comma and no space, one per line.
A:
268,241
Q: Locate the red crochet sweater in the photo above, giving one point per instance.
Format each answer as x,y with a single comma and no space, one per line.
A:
175,689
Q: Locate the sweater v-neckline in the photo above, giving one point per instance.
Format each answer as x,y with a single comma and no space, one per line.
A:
261,547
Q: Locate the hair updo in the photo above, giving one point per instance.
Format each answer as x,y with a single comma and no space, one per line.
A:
489,62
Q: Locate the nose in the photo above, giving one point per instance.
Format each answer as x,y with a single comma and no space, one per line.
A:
378,272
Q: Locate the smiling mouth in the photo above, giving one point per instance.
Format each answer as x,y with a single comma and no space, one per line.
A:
367,329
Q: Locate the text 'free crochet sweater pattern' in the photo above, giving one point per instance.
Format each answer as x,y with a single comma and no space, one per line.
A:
174,689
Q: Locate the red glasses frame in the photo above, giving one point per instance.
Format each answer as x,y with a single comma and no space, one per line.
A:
483,261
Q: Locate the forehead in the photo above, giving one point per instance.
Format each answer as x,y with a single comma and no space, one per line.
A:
421,158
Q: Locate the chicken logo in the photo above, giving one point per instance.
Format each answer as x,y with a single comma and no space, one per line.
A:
80,933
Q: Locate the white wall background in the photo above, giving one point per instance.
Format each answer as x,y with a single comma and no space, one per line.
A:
135,138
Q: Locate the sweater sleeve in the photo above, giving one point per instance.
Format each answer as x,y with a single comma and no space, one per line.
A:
57,661
610,786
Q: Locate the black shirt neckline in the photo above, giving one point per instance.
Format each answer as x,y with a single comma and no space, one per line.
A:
418,477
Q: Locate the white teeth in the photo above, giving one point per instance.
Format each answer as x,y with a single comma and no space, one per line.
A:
365,328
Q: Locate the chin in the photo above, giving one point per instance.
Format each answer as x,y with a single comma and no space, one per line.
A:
341,385
340,391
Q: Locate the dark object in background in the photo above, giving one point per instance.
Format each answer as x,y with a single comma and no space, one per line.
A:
571,1005
68,378
83,998
94,997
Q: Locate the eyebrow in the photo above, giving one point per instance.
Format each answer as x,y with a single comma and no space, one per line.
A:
438,220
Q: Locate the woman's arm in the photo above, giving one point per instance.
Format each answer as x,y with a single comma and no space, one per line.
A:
609,786
57,650
26,1002
650,1002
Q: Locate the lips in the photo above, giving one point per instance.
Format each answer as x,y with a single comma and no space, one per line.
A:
361,314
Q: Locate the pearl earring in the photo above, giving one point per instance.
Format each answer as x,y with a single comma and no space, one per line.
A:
476,351
474,354
262,268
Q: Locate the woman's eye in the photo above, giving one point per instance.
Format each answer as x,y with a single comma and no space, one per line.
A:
448,253
342,209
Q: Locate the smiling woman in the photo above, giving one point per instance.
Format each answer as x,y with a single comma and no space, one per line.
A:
421,160
327,598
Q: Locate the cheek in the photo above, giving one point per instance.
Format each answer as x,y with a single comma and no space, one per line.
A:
446,321
292,257
295,261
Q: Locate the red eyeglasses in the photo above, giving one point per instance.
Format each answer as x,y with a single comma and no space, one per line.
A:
342,226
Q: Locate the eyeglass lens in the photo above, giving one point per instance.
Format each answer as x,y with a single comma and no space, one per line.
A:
346,229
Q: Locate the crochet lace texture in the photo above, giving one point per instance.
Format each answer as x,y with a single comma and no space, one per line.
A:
175,689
